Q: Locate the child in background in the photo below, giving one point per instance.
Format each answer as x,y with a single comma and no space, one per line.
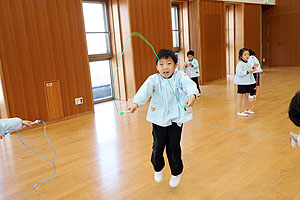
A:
12,123
192,68
165,113
294,115
254,88
243,79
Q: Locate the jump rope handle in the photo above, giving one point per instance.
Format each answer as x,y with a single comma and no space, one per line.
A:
5,133
36,122
122,112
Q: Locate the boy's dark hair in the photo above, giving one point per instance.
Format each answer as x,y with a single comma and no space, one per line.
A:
166,53
251,52
294,109
242,51
190,52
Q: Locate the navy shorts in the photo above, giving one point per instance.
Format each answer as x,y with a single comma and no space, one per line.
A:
243,89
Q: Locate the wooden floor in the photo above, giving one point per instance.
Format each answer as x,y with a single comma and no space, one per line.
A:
107,156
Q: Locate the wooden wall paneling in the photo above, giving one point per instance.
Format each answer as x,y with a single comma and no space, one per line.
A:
40,53
239,29
54,100
195,33
57,41
40,41
140,49
252,28
88,93
213,40
69,79
125,21
185,31
213,71
154,37
284,42
119,82
222,10
281,34
3,96
156,28
230,44
16,49
81,67
283,6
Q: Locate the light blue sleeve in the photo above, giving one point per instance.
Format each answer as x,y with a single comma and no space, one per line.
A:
240,71
188,85
145,92
196,64
9,124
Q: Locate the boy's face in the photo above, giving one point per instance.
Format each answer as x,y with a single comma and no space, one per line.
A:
168,65
245,55
190,57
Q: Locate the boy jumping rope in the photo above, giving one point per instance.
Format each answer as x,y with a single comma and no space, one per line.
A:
165,112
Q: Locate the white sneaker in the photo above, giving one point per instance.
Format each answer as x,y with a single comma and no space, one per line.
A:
249,112
174,181
242,114
158,176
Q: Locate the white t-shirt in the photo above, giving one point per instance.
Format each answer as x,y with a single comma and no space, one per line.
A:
253,60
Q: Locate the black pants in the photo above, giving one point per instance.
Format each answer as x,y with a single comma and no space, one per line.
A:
168,137
195,79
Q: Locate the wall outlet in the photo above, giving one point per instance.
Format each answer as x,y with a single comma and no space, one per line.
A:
78,100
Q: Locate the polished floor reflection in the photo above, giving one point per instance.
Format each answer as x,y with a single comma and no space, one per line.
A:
103,155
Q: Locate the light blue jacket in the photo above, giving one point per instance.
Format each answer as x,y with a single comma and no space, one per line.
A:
9,124
164,107
192,71
241,76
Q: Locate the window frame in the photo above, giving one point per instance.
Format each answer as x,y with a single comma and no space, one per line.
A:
177,21
103,56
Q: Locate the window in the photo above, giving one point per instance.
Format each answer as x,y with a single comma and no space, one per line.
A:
98,44
96,28
175,28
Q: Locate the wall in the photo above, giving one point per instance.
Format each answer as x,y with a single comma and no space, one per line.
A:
252,28
152,19
264,2
281,30
213,40
42,41
154,23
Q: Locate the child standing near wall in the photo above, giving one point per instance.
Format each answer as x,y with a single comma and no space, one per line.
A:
165,113
192,68
243,79
254,88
